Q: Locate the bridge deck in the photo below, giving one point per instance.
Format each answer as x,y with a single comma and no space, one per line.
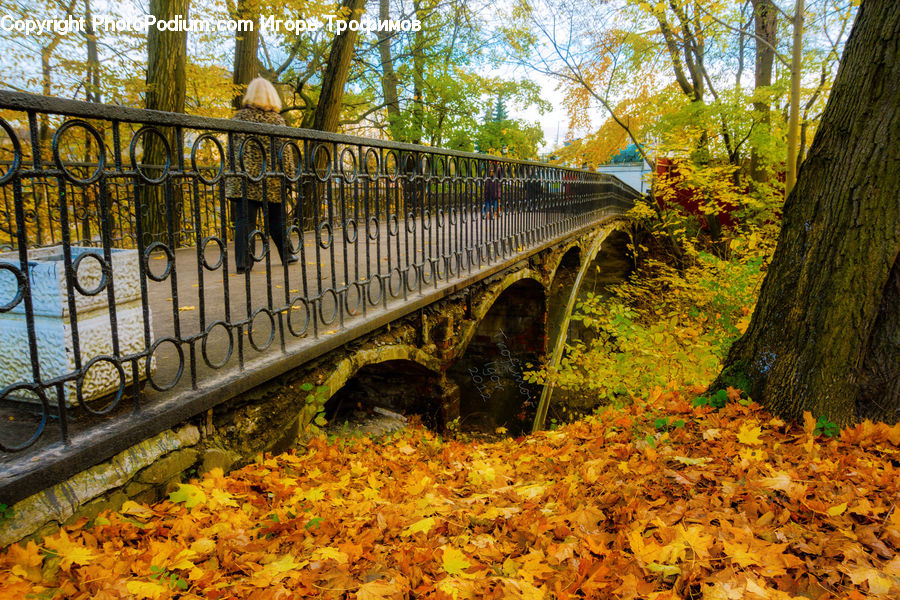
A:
398,280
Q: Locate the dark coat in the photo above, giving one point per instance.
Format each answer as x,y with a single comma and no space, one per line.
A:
253,159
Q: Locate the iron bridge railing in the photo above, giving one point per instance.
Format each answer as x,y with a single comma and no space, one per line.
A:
118,284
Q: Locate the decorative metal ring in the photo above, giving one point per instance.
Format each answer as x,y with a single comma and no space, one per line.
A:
146,131
440,167
371,232
256,233
452,167
169,262
425,166
21,282
203,347
45,413
426,220
454,215
79,384
428,280
242,152
375,278
104,268
334,312
101,157
203,244
298,169
412,269
268,343
391,282
17,152
371,153
291,247
328,240
350,239
393,174
449,262
290,325
149,359
350,176
315,159
393,224
410,222
359,298
195,146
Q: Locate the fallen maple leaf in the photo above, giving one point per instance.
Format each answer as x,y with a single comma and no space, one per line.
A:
188,494
379,590
454,561
748,434
68,551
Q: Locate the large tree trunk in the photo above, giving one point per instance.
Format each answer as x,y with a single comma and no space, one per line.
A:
328,109
765,28
389,81
824,335
166,52
246,45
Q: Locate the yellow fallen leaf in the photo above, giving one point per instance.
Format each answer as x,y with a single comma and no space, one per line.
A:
749,435
837,510
329,552
68,551
146,589
187,308
420,526
454,561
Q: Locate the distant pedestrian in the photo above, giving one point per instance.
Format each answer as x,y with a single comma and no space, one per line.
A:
492,189
261,104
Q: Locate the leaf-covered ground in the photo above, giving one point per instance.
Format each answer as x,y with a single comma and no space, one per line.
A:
656,500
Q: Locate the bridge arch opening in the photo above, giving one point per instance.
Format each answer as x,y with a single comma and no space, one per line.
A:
559,290
611,266
511,335
379,393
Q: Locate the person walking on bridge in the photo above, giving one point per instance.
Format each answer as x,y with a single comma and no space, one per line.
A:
261,104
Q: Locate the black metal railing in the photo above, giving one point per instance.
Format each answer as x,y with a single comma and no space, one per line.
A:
118,284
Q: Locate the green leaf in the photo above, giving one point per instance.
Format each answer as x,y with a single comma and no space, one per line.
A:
188,494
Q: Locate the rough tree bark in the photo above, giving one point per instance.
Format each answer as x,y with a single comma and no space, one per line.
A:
825,334
246,46
166,54
389,81
765,30
328,110
790,178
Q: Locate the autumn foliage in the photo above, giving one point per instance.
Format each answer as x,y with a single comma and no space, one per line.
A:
651,500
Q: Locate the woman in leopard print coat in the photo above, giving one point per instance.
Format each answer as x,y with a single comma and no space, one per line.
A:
260,105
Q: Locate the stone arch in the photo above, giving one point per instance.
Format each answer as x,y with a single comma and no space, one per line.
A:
399,378
611,265
508,335
560,287
556,260
486,302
